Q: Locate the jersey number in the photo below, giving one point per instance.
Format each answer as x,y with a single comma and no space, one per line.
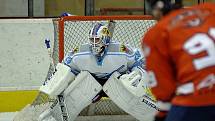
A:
202,42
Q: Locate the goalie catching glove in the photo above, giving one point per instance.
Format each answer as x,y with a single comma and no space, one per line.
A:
136,82
130,93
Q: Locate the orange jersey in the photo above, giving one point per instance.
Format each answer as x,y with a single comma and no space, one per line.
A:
180,49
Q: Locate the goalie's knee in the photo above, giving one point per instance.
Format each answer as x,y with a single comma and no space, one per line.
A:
84,82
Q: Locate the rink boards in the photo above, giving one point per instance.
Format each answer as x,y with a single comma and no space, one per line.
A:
24,60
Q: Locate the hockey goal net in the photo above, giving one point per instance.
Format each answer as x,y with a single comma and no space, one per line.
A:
71,31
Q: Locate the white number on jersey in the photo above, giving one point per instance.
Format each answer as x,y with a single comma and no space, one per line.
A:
202,42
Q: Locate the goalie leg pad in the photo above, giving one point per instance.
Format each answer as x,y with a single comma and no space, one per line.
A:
80,93
139,107
56,112
46,116
77,96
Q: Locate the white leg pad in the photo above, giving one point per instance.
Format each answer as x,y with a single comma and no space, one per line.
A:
139,107
46,116
80,93
77,96
30,112
53,113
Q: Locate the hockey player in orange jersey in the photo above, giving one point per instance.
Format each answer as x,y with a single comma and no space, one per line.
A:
180,57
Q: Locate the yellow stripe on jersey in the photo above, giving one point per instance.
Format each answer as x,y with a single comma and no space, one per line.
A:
11,101
122,48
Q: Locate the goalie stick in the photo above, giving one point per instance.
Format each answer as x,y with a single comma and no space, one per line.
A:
60,98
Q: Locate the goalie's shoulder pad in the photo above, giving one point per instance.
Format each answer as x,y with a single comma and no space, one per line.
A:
68,59
126,49
132,52
72,52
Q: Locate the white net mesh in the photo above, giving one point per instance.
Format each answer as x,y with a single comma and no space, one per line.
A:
75,32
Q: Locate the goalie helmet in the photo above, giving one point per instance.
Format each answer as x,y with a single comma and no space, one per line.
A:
100,36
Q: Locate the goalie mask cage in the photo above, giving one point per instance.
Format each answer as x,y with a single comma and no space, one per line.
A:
72,31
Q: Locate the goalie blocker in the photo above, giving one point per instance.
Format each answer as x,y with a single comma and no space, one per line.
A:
59,81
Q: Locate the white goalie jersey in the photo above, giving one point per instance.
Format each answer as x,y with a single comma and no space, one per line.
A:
116,57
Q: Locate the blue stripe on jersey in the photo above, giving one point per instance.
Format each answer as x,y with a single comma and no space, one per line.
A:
129,56
108,53
98,60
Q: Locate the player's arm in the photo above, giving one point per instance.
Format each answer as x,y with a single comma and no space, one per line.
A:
159,65
160,68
